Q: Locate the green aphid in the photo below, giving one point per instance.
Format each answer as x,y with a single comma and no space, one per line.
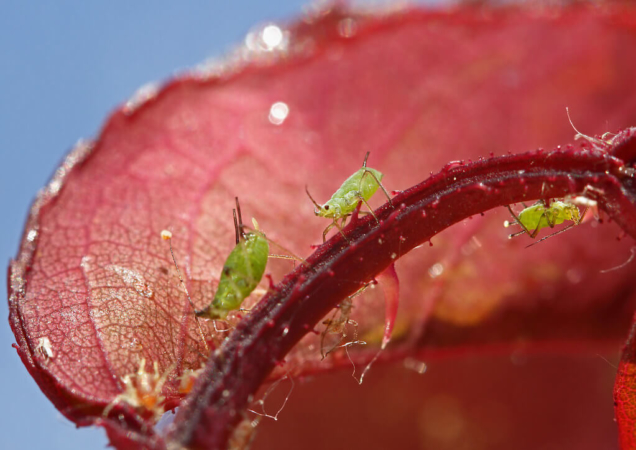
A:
242,271
359,187
541,215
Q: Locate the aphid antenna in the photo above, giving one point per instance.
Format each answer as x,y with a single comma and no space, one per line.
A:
236,227
240,219
318,207
364,163
166,235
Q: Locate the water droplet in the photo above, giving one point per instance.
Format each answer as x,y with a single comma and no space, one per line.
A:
393,255
285,331
436,270
268,38
278,112
380,241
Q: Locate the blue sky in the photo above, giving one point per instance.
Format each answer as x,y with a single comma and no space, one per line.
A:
64,66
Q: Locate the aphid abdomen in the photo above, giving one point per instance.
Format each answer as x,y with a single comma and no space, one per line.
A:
533,217
368,184
242,272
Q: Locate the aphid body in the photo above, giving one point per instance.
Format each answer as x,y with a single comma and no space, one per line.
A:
358,187
542,215
242,271
346,198
539,216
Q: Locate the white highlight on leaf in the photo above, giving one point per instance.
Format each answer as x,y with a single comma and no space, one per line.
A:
132,279
146,92
278,112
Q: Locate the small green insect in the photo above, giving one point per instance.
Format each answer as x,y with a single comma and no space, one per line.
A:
242,271
359,187
542,215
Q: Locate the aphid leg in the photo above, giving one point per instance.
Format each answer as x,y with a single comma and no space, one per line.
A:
329,227
167,236
536,230
291,255
340,228
578,222
370,210
364,166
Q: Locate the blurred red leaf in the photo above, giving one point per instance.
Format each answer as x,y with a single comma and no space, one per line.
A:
417,90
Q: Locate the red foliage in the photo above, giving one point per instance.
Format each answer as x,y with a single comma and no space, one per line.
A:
416,89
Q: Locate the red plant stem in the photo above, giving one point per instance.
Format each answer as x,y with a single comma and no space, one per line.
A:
261,341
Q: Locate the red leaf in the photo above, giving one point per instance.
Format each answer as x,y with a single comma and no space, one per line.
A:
417,89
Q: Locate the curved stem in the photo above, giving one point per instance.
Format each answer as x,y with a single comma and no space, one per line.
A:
339,268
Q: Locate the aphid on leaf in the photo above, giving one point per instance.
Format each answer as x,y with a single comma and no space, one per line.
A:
542,215
359,187
242,271
142,391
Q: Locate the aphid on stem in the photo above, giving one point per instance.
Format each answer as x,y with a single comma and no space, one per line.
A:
545,214
359,187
